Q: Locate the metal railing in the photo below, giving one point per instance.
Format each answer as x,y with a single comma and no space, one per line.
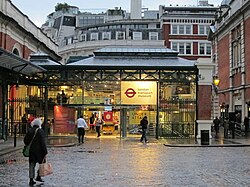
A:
176,130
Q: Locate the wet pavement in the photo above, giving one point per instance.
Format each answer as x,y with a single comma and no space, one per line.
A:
127,162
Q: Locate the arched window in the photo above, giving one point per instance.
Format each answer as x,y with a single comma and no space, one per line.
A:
16,52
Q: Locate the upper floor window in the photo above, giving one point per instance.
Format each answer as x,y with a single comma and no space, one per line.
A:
120,35
236,47
83,37
94,36
184,48
106,35
153,35
181,29
188,29
203,29
137,36
204,48
174,29
69,41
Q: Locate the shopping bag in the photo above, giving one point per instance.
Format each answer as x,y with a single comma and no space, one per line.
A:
45,169
26,150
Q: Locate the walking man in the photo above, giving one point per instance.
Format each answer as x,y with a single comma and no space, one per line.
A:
81,125
144,126
216,125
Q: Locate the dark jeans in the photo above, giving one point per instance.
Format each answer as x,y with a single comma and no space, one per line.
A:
225,132
98,131
81,133
143,136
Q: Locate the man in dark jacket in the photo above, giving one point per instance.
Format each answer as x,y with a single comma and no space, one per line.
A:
144,126
216,124
38,149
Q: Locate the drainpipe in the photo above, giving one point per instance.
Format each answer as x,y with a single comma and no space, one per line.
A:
46,110
157,113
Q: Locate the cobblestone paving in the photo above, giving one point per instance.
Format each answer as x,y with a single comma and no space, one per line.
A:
115,162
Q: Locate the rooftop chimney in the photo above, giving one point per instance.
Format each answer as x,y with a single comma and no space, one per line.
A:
135,9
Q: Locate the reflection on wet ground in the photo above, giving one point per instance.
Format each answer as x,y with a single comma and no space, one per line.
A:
61,141
128,162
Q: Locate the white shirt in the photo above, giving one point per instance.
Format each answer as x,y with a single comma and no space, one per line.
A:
81,123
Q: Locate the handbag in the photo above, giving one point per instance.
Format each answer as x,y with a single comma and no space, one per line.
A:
45,168
26,148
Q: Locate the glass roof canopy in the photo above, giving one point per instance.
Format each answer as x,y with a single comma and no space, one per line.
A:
15,63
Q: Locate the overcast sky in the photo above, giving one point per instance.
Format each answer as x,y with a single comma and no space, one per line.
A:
37,11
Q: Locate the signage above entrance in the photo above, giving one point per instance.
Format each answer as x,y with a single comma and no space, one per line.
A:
138,92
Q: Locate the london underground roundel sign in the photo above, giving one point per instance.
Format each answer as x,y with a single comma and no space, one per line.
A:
130,92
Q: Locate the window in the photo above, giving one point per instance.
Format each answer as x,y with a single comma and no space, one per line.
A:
175,46
181,29
69,41
153,35
188,29
236,47
94,36
203,29
204,49
174,29
120,35
188,48
83,37
184,48
208,49
106,35
137,36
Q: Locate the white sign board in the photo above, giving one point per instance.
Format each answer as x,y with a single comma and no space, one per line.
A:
138,92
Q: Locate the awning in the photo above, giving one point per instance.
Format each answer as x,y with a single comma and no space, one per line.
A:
15,63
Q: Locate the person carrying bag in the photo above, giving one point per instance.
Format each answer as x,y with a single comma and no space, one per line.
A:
26,148
38,149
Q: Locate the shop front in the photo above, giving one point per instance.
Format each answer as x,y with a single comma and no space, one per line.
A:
123,85
120,85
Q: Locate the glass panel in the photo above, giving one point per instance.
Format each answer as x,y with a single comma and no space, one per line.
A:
188,29
177,109
181,29
202,48
188,48
174,29
181,48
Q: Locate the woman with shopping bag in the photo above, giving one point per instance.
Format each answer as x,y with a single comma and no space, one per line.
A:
38,149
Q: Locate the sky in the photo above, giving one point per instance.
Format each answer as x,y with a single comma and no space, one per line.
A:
37,11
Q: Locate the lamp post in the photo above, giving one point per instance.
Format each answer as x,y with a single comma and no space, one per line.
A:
216,82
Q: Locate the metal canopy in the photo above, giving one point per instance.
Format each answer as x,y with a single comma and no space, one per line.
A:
133,58
15,63
132,63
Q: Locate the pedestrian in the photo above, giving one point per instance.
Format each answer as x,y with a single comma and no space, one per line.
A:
98,123
216,124
246,124
226,127
81,125
91,121
38,149
144,126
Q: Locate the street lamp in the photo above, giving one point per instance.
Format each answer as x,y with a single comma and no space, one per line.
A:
216,82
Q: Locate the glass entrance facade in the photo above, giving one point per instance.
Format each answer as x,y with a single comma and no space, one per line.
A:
172,114
120,85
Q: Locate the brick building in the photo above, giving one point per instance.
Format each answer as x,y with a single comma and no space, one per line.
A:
230,36
19,37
